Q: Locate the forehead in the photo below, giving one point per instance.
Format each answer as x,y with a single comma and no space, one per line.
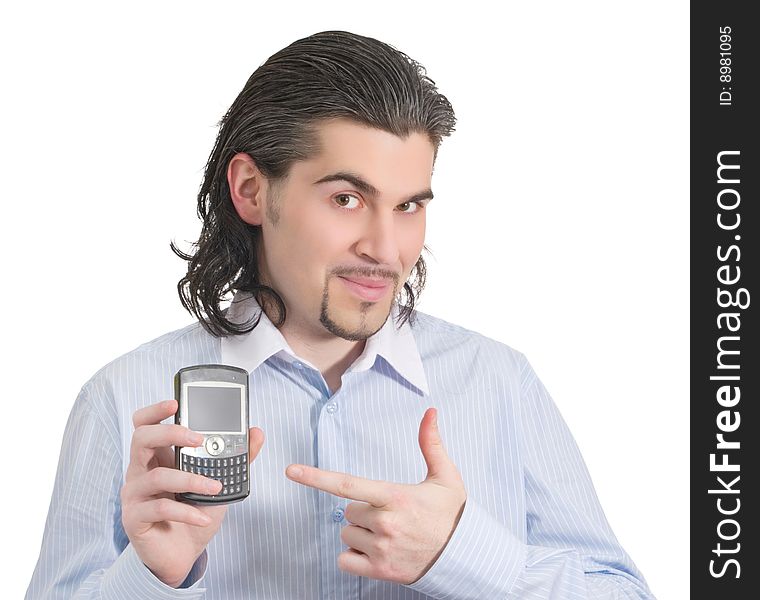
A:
391,163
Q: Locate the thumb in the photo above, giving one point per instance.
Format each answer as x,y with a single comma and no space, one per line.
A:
438,462
255,442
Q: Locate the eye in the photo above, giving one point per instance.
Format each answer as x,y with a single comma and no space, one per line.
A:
342,201
417,204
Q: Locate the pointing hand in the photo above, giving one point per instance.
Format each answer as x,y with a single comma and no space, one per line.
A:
397,531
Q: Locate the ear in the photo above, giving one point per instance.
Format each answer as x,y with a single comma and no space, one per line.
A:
248,188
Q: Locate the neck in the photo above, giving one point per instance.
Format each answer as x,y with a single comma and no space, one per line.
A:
331,354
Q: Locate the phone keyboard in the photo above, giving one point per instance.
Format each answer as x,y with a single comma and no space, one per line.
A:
232,471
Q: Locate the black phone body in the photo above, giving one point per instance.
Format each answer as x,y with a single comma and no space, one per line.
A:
213,401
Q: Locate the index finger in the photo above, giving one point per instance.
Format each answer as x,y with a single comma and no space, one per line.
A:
154,414
376,493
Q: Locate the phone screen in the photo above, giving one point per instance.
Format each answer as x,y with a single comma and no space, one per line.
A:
214,408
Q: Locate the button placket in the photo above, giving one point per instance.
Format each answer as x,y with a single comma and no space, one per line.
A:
333,455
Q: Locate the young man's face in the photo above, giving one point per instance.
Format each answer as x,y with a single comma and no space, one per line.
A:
322,228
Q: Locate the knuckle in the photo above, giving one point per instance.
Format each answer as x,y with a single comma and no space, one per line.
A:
137,417
168,432
163,508
197,483
142,455
346,486
140,438
342,557
384,524
177,434
155,477
137,436
348,513
380,545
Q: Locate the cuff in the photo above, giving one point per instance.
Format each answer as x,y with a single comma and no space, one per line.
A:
481,560
129,578
197,572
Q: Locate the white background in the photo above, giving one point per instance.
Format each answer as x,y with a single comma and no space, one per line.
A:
559,225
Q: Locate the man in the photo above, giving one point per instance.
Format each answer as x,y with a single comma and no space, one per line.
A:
406,457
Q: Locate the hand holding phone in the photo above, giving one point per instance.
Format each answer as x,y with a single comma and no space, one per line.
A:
213,401
168,535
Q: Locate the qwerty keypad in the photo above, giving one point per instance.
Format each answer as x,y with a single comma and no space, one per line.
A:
232,471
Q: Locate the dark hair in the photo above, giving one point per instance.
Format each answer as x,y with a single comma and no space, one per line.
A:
332,74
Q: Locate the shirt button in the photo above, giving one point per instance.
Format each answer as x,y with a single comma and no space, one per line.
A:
337,515
332,407
297,365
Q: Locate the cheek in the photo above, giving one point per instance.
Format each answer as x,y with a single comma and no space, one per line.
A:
310,241
410,244
323,241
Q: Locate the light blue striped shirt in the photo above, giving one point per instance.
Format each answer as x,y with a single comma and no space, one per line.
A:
531,528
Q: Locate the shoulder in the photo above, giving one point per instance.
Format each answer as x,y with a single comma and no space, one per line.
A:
152,364
441,340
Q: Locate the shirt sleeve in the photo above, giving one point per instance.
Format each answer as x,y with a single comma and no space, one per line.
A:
85,552
571,552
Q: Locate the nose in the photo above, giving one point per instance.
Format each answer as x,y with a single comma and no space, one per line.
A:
379,240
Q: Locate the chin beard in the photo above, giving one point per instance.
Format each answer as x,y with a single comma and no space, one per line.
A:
356,334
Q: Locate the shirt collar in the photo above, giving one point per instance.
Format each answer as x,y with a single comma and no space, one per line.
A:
396,345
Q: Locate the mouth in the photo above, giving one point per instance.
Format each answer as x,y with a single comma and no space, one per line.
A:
367,289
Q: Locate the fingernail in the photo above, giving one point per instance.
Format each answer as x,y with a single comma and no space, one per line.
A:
194,438
295,471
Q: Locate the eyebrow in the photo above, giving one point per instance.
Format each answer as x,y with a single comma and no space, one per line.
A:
367,188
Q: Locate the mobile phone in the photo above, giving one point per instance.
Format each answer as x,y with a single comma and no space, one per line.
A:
213,401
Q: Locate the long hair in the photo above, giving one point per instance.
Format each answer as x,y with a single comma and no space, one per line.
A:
332,74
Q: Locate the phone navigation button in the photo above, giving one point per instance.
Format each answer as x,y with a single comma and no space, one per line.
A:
215,445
